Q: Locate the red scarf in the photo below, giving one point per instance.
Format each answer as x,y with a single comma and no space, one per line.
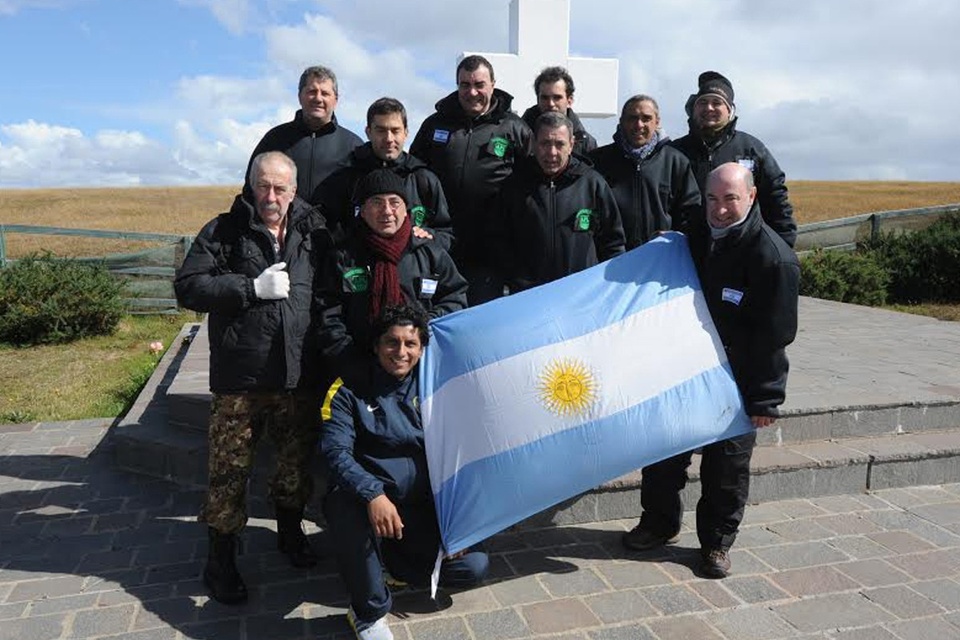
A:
386,252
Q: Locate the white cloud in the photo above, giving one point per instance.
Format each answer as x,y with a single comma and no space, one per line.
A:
232,14
856,89
40,154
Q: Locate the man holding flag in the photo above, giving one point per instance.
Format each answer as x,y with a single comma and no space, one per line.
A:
750,279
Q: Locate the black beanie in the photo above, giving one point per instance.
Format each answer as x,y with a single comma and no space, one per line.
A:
712,83
379,182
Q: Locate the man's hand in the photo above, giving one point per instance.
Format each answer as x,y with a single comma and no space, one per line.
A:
273,283
422,233
384,518
762,421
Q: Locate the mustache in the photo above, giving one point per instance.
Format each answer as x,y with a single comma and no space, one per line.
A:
271,207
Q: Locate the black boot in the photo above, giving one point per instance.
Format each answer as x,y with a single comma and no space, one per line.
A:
291,539
221,575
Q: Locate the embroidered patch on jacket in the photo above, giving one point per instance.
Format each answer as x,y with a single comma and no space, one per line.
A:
499,146
732,295
583,219
357,279
419,214
747,163
441,135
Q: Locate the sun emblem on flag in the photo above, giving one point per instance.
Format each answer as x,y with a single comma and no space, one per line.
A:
567,387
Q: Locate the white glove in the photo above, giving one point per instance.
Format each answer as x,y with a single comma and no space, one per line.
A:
273,283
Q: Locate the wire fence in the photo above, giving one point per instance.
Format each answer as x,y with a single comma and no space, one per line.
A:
147,271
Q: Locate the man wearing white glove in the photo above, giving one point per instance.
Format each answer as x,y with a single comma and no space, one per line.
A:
252,270
273,283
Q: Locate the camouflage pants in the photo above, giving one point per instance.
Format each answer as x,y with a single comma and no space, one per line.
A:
237,422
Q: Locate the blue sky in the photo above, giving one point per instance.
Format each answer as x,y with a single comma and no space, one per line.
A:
128,92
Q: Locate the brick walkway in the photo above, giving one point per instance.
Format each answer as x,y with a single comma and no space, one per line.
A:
87,551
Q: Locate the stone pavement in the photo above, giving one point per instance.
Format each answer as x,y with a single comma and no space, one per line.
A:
89,551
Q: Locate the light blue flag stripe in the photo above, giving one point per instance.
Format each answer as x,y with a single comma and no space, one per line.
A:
529,396
568,308
481,486
489,495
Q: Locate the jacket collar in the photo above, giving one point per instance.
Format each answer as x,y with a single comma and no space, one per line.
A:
301,124
364,158
742,233
450,107
724,134
530,117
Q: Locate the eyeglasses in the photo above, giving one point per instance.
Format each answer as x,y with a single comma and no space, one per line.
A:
380,202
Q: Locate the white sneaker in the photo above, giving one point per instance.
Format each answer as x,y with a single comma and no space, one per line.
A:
369,631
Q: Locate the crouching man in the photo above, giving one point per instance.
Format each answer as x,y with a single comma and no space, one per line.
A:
380,511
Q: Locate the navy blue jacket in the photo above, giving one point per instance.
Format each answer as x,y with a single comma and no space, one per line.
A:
372,439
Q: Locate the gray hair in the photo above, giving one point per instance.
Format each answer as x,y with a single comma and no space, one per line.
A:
271,156
320,73
640,97
552,120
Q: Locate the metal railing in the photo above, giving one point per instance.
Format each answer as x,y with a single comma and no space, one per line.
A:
844,233
147,273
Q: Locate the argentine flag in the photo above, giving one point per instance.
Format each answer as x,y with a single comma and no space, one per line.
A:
532,399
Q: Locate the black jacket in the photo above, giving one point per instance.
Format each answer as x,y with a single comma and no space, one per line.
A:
658,193
256,345
343,298
550,228
736,146
751,283
472,157
583,142
426,202
317,154
372,439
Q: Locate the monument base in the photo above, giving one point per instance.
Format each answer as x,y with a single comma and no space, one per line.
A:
873,403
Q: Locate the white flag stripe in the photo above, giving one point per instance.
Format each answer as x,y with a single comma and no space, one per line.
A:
629,361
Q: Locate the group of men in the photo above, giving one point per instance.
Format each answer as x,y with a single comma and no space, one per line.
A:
329,233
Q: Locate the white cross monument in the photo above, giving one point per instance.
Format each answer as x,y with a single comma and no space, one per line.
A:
540,37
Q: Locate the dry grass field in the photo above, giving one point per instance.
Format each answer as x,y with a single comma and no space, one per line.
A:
183,210
99,376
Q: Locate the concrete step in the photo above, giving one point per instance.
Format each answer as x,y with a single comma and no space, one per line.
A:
781,472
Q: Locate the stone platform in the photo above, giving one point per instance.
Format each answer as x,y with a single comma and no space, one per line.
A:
873,402
91,551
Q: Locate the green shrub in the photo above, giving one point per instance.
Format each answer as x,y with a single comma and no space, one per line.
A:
924,266
854,277
45,299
